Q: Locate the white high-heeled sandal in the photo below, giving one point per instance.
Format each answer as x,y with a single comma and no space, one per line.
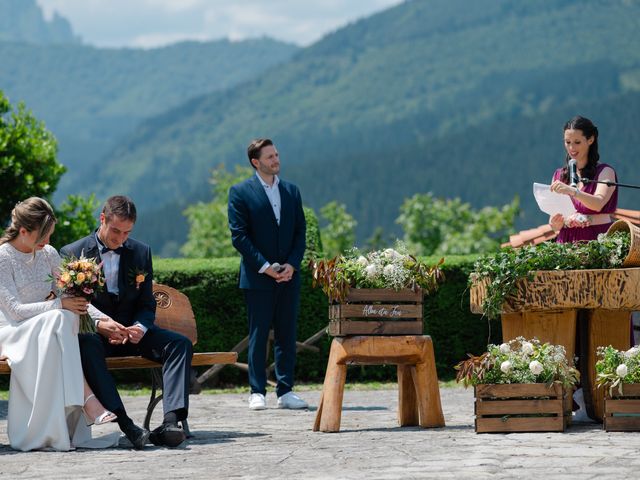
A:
104,417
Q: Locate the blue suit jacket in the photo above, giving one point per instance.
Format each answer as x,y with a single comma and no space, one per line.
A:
133,304
258,237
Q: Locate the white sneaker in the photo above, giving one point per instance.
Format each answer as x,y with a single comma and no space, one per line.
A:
257,402
292,401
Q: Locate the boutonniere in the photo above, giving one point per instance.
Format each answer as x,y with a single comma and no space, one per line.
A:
137,276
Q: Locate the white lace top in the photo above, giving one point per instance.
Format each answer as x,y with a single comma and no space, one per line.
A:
25,282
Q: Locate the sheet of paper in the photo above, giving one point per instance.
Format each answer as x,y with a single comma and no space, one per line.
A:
552,202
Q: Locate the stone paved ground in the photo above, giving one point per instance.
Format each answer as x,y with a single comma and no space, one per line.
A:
232,442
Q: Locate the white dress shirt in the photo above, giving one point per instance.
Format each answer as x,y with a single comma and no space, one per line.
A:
273,194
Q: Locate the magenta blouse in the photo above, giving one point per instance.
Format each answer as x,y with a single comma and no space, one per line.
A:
591,232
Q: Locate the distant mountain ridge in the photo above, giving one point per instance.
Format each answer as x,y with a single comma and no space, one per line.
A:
23,21
416,98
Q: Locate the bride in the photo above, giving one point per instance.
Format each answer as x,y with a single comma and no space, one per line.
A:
50,404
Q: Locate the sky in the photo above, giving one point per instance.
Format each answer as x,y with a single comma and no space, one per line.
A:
153,23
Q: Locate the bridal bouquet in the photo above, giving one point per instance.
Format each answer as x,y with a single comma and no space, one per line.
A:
518,361
389,268
81,277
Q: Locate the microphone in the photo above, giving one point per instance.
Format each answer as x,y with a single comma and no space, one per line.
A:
573,173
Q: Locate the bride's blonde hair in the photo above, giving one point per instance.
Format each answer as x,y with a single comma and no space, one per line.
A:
33,214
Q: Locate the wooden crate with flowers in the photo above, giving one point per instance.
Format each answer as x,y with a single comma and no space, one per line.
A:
380,293
618,372
520,386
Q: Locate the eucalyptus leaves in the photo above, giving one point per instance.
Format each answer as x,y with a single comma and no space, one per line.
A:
503,270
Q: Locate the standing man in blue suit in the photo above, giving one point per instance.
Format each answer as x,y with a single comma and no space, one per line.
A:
268,229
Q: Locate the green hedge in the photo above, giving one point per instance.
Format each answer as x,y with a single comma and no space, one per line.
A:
218,304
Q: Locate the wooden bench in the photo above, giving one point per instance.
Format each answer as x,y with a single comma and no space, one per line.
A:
174,313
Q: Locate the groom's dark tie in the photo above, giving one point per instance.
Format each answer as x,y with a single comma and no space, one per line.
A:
118,250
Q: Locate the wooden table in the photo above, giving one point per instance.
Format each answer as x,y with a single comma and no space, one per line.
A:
555,305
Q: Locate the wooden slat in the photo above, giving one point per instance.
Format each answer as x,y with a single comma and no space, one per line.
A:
386,311
174,312
518,390
4,367
115,363
621,406
384,295
373,327
611,289
516,407
628,390
622,424
511,424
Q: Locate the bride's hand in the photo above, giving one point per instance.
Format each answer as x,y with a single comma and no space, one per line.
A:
77,305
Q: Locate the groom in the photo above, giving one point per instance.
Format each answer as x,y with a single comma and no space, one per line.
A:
127,325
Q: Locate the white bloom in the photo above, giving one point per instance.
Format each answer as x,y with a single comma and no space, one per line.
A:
505,366
622,370
527,348
536,367
504,348
389,270
391,254
371,270
631,352
362,261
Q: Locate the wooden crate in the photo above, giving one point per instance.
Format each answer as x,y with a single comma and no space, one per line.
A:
622,411
522,407
377,311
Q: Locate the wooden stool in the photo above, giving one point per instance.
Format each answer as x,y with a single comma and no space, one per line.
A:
419,394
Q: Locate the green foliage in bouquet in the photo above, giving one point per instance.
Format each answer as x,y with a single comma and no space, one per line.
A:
518,361
389,268
615,367
507,267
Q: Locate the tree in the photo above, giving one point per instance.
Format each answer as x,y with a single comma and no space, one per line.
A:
28,165
339,232
28,168
437,226
208,223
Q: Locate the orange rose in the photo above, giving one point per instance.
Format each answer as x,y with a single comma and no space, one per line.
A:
139,278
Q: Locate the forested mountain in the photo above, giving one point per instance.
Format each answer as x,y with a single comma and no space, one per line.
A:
22,21
89,97
460,98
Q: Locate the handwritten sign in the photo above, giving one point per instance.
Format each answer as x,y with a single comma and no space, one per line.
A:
390,311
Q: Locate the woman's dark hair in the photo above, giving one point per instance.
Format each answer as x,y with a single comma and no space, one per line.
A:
589,130
34,215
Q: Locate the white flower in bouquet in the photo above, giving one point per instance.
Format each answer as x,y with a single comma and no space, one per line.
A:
527,348
389,270
362,261
536,367
371,270
622,370
504,348
505,366
632,352
391,254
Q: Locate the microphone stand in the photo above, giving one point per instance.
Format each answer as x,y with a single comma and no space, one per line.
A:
609,183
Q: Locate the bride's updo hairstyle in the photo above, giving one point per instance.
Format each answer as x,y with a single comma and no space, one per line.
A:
33,214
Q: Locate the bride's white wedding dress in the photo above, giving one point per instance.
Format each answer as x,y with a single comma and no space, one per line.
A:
39,340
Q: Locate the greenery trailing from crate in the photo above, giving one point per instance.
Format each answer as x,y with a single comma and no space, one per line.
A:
388,268
505,269
617,367
518,361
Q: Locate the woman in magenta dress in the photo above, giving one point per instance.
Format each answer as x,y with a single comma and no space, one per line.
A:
594,202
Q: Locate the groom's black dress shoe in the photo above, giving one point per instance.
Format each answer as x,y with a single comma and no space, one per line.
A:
136,435
168,435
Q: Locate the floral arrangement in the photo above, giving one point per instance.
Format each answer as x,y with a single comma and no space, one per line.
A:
506,268
389,268
518,361
615,368
137,277
80,277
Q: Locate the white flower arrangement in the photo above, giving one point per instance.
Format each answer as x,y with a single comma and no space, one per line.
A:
614,368
519,361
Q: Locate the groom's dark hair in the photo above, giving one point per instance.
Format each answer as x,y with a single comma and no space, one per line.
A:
121,207
256,146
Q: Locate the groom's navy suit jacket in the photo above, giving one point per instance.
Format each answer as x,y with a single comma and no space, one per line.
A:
133,304
255,233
